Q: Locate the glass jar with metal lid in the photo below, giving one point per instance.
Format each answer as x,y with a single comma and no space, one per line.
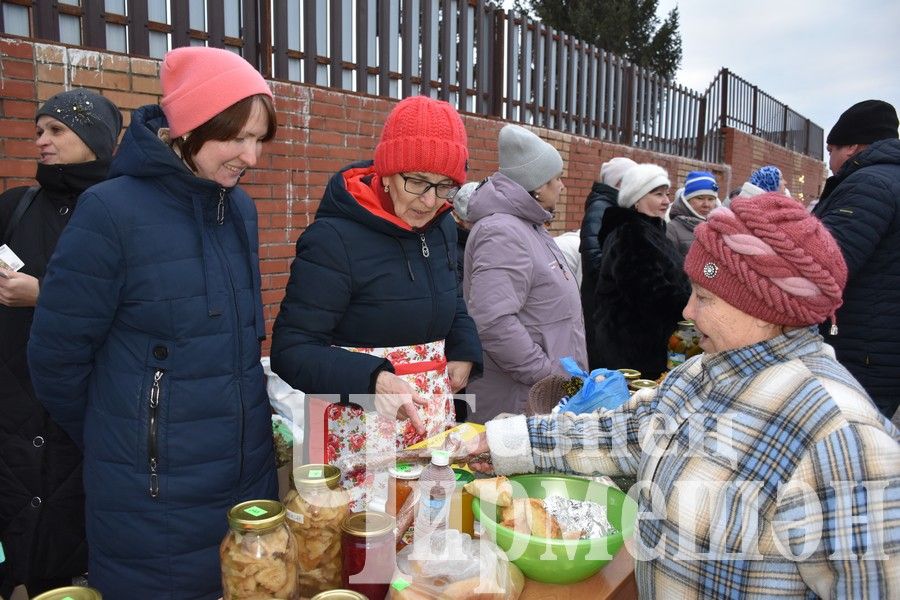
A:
70,593
630,374
401,483
683,344
640,384
259,553
339,595
369,556
316,507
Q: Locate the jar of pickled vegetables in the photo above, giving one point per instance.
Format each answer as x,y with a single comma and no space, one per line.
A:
71,592
369,557
258,554
316,507
683,344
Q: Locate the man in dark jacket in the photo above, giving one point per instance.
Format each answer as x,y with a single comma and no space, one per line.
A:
860,205
604,193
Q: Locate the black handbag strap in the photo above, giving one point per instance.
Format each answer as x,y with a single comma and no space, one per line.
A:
24,202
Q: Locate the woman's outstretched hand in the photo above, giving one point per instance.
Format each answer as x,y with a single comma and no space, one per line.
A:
397,399
478,453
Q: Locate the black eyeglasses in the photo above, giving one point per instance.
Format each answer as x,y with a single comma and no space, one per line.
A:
420,187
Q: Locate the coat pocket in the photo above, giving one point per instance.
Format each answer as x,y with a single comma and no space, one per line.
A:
152,456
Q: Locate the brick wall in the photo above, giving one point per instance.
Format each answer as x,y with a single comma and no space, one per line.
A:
320,130
804,176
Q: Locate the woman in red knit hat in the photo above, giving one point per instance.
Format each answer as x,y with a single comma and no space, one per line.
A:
764,468
145,344
373,306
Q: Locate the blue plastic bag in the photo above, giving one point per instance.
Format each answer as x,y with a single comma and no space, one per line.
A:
603,388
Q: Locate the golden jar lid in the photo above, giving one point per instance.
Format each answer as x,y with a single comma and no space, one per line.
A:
630,374
640,384
70,593
686,323
368,524
316,475
339,595
256,515
404,470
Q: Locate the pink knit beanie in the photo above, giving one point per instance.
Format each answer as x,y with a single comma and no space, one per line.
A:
423,135
198,83
771,259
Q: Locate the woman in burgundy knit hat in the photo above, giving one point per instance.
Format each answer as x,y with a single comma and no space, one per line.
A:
372,306
764,468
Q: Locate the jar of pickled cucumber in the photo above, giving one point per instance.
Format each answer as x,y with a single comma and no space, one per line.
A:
259,553
316,507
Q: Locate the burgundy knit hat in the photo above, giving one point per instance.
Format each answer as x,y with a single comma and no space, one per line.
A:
771,259
426,136
199,82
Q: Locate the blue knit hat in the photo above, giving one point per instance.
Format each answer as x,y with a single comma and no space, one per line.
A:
700,183
767,178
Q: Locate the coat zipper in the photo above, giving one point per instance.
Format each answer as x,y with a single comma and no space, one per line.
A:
220,207
425,251
152,433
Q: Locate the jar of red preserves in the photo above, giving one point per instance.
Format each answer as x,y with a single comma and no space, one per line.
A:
369,557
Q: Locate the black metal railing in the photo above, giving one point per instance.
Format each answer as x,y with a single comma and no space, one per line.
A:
481,58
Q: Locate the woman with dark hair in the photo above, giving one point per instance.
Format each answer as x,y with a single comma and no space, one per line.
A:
42,503
146,339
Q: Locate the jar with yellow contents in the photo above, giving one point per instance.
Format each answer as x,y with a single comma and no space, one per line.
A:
316,507
259,553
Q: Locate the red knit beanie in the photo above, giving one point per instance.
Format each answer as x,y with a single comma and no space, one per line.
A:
426,136
771,259
198,83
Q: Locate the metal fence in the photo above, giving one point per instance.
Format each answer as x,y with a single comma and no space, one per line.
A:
481,58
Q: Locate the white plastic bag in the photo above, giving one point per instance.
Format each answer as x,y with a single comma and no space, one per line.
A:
285,400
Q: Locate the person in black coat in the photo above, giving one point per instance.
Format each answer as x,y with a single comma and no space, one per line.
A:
860,206
641,287
41,494
603,194
373,306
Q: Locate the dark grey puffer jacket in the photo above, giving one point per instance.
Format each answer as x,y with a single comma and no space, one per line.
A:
860,205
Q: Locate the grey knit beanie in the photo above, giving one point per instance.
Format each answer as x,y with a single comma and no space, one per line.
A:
461,200
527,159
93,118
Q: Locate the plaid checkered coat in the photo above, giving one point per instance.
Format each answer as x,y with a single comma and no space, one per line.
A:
764,472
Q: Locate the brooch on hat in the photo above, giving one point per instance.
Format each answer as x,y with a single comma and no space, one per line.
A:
710,270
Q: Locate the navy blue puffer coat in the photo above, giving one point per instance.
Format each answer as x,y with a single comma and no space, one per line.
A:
145,348
362,279
860,206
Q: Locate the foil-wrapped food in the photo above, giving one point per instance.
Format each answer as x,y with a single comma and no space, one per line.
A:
579,519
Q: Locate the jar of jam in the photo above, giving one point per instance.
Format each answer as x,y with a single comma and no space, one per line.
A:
315,510
339,595
461,516
402,481
369,558
259,553
70,593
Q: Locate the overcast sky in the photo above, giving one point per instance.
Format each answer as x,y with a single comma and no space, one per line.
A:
817,56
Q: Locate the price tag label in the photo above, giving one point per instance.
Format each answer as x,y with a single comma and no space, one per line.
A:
255,511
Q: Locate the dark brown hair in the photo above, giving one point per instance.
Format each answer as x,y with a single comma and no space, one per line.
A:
226,126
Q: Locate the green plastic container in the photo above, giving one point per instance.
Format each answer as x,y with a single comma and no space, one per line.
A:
560,561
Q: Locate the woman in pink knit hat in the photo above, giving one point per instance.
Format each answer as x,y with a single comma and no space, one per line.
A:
372,312
145,345
764,468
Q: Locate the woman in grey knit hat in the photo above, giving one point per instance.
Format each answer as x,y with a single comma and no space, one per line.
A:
518,289
42,504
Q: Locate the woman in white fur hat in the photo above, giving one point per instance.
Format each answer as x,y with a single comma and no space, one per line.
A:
641,288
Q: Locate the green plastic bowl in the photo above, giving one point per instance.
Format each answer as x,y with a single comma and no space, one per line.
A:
557,560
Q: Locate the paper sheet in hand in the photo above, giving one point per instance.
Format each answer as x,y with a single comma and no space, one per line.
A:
9,260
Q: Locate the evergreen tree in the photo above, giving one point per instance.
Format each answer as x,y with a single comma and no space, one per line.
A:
628,28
